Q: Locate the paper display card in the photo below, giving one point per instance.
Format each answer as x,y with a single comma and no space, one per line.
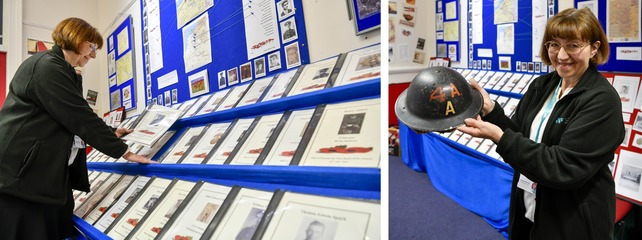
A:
628,175
178,149
627,88
512,82
109,199
250,147
241,218
286,138
522,84
494,80
345,135
360,65
107,219
255,91
135,211
510,106
165,207
150,152
484,80
300,216
186,106
213,102
229,141
97,195
207,142
279,85
95,184
154,122
196,106
503,81
232,98
203,202
315,76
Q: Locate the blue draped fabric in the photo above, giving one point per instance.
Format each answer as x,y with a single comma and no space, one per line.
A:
479,183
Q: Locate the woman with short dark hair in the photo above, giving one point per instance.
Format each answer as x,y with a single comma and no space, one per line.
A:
45,123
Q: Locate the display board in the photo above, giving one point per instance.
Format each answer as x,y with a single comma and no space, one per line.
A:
506,34
447,24
121,66
622,24
192,48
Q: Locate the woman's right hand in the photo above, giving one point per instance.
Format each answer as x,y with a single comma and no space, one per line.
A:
132,157
488,103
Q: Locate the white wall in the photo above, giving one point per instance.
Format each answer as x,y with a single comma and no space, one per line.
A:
403,69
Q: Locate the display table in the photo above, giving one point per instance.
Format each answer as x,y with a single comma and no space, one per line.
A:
478,182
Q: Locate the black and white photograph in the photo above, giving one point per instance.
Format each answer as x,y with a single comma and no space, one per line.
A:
259,67
288,30
274,61
285,8
321,73
313,228
251,222
630,177
150,203
351,123
222,80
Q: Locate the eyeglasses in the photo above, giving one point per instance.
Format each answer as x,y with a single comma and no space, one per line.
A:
570,48
93,46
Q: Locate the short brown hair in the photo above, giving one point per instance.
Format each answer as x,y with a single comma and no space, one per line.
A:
576,24
72,32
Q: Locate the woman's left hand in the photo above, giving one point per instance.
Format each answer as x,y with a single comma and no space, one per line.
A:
478,128
122,132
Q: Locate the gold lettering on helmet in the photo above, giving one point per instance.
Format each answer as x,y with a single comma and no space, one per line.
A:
454,91
449,108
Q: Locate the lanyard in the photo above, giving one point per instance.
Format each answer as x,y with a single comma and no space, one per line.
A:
547,111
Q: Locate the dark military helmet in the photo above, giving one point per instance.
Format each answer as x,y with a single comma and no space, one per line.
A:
437,100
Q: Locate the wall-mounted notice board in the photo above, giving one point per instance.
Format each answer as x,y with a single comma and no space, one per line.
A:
506,35
621,20
121,67
196,47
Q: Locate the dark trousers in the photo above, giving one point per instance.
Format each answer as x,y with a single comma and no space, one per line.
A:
21,219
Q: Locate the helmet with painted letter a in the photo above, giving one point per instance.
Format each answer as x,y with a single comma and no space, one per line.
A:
437,100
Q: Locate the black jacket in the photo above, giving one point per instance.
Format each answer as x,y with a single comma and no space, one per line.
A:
575,190
43,111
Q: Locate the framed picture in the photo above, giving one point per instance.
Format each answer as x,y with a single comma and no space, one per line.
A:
121,202
314,77
203,202
258,134
208,142
367,15
285,140
342,128
246,72
288,30
236,132
259,67
243,215
165,207
198,84
292,55
146,199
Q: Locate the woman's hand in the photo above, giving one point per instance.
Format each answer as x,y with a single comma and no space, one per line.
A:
488,103
120,132
478,128
129,156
